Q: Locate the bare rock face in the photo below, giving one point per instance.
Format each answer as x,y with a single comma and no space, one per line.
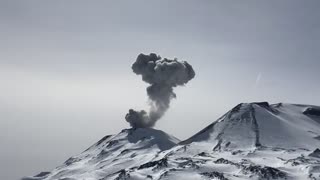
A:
312,111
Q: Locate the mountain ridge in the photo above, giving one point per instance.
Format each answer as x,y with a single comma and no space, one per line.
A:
252,140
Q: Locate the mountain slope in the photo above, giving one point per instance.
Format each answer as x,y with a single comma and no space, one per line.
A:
251,141
131,147
260,124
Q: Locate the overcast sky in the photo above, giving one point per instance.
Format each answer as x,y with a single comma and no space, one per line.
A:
66,78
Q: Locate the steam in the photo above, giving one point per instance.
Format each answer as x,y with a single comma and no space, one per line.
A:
162,75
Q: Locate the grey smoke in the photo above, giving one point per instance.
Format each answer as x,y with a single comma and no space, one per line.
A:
162,75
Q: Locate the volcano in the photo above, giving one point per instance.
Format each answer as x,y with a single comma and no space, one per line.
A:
253,125
251,141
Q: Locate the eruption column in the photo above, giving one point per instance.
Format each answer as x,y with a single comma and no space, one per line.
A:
162,75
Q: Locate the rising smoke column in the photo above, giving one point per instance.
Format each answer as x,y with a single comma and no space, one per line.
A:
162,75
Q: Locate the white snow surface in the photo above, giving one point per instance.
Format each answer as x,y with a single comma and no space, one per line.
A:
260,124
251,141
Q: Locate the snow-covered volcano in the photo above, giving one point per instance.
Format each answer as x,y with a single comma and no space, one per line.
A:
262,125
129,148
251,141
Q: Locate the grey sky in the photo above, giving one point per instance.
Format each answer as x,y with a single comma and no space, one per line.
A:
66,78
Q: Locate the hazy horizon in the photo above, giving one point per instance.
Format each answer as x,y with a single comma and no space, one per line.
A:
66,77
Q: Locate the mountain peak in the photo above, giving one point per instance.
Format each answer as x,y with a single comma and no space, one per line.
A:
145,137
163,140
252,125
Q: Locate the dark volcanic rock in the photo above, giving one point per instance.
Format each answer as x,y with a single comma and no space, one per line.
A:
312,111
265,172
224,161
71,161
157,164
39,176
215,175
112,143
42,174
189,164
123,175
166,173
103,139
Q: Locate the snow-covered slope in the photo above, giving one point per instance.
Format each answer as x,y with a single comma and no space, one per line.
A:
251,141
260,124
129,148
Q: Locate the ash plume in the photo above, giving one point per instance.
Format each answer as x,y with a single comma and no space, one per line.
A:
162,75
